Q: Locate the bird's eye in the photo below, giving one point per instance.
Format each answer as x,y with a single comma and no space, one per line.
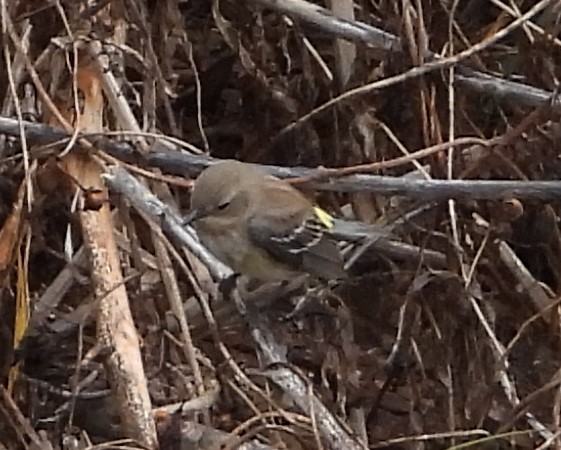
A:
224,205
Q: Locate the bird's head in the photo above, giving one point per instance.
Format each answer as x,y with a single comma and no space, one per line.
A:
223,191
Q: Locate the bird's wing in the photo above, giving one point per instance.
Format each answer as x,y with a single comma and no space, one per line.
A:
296,233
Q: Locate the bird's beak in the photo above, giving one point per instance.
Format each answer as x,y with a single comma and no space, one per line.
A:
191,217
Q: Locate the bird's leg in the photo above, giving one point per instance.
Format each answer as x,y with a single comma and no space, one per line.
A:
235,288
265,294
227,285
312,301
308,301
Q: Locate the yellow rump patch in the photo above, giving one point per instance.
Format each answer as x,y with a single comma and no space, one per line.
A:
323,217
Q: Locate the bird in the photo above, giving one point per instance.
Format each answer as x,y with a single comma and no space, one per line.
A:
261,226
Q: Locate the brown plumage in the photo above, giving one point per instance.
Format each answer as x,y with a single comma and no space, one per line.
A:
260,225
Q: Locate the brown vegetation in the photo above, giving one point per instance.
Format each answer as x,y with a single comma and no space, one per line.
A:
441,130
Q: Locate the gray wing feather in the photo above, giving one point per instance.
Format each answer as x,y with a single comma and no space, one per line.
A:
308,247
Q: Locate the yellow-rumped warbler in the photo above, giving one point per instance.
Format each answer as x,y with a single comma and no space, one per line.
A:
261,226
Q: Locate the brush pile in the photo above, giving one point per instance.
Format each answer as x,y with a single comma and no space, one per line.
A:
438,123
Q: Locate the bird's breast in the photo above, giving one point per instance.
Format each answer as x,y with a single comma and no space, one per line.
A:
230,244
224,242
